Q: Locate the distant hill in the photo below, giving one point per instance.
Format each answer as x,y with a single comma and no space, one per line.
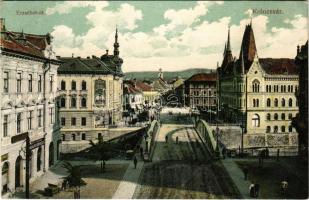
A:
151,75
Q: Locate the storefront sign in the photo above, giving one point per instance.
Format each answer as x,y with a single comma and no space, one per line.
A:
37,143
19,137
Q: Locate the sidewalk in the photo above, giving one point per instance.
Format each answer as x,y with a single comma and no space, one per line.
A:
237,176
129,181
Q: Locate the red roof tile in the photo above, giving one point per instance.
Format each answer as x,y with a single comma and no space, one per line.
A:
279,66
202,77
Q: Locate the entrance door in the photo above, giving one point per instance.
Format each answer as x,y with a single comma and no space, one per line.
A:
18,169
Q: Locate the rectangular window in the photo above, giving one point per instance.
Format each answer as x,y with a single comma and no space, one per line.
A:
18,122
6,82
40,83
73,121
18,82
83,121
5,125
30,83
30,120
40,118
51,113
51,83
62,121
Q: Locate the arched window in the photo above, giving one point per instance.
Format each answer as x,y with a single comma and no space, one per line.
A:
268,102
268,116
62,102
73,85
290,128
276,102
268,129
73,137
84,102
84,85
256,120
290,115
38,159
275,116
275,129
290,102
283,116
73,102
5,177
255,86
283,102
83,136
282,129
62,85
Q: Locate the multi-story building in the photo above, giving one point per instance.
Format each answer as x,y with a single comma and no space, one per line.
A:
200,91
300,122
90,95
150,95
258,93
28,106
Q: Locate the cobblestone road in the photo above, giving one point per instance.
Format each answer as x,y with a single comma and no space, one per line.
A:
182,170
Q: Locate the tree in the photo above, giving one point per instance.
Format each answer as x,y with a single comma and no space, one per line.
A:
74,178
102,151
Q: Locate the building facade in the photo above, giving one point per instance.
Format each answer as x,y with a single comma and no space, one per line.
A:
258,93
200,91
90,95
28,106
300,122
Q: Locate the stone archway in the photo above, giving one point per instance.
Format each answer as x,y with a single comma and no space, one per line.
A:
18,172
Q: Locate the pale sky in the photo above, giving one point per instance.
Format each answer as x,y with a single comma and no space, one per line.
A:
171,35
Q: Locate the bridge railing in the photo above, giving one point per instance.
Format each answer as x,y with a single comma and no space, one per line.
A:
205,133
151,133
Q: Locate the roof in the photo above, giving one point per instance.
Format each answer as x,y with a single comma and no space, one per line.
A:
160,85
279,66
30,44
143,86
94,65
203,77
248,47
130,89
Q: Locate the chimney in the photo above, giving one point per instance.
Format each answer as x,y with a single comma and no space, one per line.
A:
2,24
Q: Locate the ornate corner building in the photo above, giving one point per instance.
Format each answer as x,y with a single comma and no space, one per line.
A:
90,96
28,106
259,94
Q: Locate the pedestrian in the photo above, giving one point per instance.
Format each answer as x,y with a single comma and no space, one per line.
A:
141,150
135,162
246,173
63,185
256,189
176,139
284,187
251,190
166,138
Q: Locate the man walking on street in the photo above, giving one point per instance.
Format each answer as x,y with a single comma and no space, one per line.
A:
135,162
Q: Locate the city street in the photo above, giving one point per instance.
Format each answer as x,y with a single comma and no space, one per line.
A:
183,170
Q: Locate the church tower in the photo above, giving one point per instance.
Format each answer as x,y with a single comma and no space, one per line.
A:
116,44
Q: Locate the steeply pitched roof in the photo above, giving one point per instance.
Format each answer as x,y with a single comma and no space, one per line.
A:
19,42
77,65
202,77
248,47
279,66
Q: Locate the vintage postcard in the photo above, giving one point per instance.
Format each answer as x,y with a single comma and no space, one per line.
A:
154,99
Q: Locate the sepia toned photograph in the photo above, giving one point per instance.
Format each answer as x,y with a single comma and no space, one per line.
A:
154,99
